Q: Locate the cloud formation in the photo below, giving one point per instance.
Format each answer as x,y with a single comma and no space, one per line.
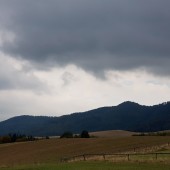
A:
14,77
95,35
54,54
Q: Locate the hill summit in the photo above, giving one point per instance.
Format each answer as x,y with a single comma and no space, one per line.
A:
126,116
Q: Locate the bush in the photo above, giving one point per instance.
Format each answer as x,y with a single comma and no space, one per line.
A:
85,134
47,137
21,139
6,139
67,135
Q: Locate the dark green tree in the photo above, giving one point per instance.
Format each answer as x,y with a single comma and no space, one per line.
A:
67,135
85,134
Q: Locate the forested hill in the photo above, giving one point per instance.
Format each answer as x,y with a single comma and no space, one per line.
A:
126,116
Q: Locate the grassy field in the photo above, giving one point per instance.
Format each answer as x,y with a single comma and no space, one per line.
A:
113,134
94,166
52,150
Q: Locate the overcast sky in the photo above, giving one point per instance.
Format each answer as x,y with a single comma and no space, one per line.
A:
64,56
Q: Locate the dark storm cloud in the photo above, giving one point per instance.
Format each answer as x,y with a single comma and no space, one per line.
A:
94,34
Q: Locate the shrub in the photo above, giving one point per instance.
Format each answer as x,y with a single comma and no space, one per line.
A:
67,135
6,139
85,134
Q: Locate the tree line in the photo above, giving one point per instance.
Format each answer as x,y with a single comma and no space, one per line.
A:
84,134
163,133
15,138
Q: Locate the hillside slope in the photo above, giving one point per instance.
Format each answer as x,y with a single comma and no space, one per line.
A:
126,116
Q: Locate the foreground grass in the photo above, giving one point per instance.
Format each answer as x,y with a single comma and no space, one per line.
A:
94,166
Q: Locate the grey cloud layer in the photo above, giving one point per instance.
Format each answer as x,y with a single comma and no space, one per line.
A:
13,79
95,35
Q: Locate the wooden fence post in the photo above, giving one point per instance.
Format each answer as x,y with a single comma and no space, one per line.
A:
84,157
128,157
104,156
156,156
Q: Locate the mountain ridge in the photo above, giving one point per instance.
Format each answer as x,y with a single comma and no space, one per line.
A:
125,116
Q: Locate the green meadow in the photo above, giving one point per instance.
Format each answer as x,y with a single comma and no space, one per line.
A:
93,166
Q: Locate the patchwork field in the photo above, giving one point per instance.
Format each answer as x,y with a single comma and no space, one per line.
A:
50,151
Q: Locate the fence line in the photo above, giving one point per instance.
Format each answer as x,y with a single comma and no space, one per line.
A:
128,156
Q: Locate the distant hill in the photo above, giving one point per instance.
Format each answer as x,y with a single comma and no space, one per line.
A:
126,116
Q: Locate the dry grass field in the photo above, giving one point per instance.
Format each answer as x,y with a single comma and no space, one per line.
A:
112,133
52,150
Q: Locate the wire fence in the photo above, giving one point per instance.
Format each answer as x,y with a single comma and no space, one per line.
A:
120,157
134,154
